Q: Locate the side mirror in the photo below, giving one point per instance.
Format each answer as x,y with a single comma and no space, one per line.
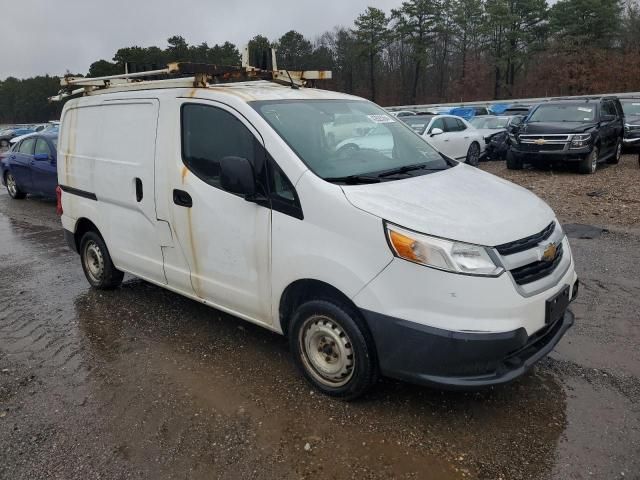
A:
236,176
436,131
41,156
607,118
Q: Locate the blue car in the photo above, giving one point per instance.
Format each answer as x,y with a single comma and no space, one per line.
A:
30,166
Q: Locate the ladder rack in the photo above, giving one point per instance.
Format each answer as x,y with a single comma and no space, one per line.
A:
187,74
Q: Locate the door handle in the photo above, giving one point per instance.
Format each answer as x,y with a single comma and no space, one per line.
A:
182,198
138,190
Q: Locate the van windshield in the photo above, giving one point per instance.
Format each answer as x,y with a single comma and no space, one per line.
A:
564,113
350,141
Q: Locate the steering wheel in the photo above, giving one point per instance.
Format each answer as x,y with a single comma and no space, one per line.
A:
349,147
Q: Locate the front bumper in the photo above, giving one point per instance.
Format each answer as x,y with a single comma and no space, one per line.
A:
459,360
565,155
631,139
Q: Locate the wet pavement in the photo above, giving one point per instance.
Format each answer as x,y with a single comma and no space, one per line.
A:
143,383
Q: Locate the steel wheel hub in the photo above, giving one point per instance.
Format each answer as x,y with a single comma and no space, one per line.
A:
94,261
326,351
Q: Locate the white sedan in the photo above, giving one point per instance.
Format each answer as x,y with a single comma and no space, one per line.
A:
450,135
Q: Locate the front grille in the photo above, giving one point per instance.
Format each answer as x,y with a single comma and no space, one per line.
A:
549,138
536,270
547,147
527,242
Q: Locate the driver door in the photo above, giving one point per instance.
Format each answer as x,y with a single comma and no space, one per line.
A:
441,142
225,239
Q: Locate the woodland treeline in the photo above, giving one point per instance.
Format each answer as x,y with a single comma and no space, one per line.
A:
425,51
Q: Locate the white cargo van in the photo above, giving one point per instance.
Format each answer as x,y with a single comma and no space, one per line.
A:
372,260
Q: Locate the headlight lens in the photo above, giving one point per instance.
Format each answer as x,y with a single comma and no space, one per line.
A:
580,140
513,138
457,257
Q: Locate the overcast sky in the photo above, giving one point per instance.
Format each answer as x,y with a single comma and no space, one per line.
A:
51,36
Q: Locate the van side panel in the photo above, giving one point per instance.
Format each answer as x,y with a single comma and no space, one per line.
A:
107,149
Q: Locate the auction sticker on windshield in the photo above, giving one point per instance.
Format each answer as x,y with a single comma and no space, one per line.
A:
380,118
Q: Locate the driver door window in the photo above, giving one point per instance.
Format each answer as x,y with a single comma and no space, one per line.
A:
442,141
26,147
208,135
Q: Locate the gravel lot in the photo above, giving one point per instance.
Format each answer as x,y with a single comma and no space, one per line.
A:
143,383
609,197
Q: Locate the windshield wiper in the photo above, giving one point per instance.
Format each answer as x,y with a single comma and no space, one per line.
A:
406,169
353,179
400,170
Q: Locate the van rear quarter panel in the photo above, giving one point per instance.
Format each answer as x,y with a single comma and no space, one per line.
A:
105,144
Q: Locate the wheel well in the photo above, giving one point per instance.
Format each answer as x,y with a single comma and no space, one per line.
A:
302,291
83,226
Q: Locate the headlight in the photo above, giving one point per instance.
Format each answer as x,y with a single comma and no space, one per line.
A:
442,254
580,140
513,138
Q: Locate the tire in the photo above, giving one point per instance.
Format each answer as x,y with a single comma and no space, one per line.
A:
513,162
4,143
473,155
616,154
333,349
97,264
12,187
589,164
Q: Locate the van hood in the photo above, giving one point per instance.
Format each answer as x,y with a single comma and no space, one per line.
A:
557,127
462,203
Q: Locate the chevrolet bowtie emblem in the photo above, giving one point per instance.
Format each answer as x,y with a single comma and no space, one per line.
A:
540,141
550,252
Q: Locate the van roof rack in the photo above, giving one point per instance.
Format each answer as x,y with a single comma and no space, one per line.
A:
188,74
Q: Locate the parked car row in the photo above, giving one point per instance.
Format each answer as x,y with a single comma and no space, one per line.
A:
30,166
9,135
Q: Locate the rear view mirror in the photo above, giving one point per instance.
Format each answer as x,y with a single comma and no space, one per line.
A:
436,131
608,118
236,176
41,156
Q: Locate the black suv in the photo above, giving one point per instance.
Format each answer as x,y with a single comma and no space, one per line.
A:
586,131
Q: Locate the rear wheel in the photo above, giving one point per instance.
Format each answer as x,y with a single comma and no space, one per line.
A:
333,349
513,162
589,164
12,187
617,154
97,264
473,154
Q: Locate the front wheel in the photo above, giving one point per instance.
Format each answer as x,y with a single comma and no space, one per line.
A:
589,164
97,264
473,154
12,187
333,349
617,154
513,162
